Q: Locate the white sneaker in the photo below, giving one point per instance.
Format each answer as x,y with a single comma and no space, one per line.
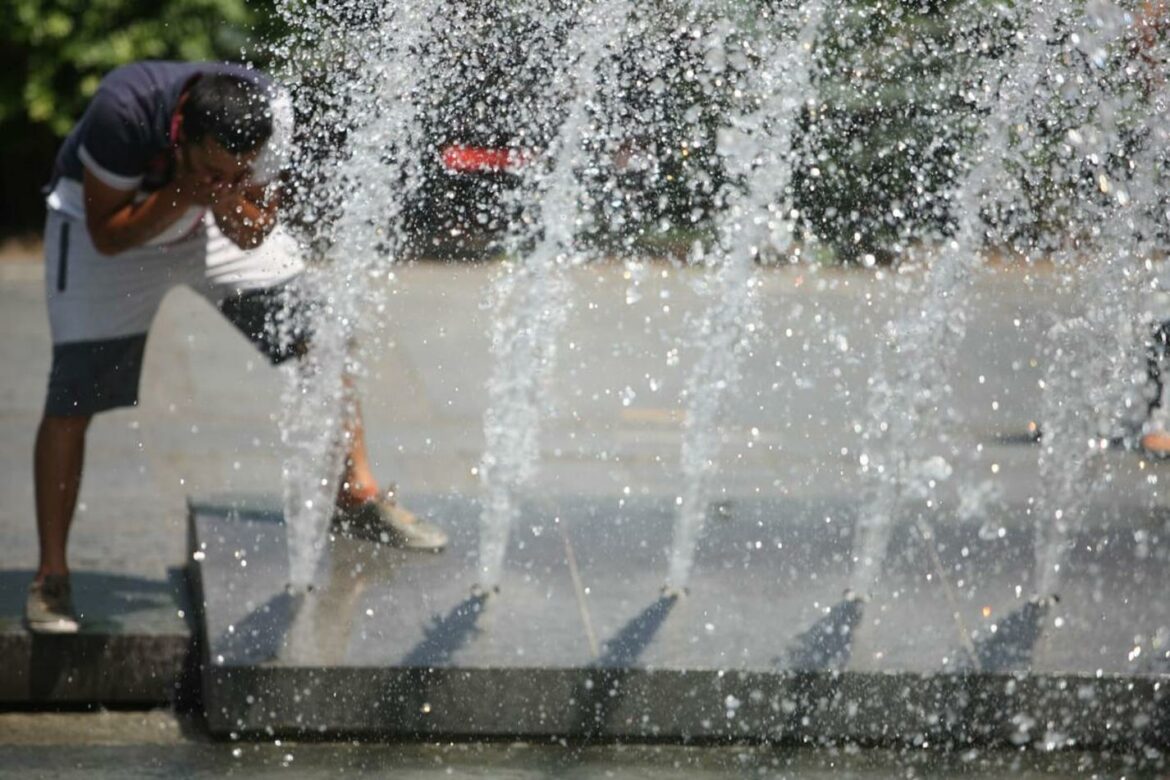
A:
49,609
384,520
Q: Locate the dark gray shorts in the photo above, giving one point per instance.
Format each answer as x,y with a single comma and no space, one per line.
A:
88,377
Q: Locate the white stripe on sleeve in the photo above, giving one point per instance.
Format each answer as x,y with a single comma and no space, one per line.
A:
109,178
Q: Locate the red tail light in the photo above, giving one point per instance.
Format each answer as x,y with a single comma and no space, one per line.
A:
458,158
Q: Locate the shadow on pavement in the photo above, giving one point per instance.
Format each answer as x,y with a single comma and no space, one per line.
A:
103,600
603,691
1010,648
828,643
447,634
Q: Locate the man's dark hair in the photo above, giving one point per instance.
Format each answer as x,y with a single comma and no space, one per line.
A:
234,111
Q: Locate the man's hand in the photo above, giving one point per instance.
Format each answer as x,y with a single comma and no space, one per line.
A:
243,210
245,213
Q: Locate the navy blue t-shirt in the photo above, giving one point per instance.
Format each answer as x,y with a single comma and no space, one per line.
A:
124,136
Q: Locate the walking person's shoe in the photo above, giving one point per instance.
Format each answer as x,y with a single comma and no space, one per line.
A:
49,609
383,519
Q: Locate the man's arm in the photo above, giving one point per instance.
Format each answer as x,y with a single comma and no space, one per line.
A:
246,216
116,223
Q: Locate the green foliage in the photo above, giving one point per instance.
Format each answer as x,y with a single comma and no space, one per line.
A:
53,54
56,51
883,141
879,147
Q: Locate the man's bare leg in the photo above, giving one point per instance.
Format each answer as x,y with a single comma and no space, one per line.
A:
359,490
1156,442
58,458
358,483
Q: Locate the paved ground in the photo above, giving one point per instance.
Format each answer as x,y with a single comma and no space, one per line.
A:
207,421
210,405
158,744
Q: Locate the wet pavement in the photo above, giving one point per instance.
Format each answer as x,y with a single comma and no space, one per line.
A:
158,744
580,640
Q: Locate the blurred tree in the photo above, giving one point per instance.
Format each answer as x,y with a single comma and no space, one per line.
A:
53,53
882,143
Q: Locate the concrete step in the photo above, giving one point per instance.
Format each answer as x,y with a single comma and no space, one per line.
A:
135,646
580,641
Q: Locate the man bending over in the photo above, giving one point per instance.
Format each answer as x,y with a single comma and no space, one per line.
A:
169,178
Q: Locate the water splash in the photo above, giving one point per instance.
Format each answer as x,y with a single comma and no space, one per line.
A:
531,295
1095,360
910,396
362,69
759,148
373,69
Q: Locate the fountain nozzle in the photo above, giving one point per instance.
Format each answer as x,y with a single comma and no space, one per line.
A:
674,592
294,590
483,593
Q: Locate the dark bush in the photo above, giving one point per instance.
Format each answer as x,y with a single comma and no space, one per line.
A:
53,53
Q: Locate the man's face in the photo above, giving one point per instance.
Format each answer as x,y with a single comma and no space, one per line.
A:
216,166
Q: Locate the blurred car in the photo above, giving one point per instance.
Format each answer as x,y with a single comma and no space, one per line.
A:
490,113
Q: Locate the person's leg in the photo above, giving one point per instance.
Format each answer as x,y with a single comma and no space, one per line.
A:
1156,349
58,457
257,292
358,483
274,321
86,378
100,309
261,293
1156,439
363,507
